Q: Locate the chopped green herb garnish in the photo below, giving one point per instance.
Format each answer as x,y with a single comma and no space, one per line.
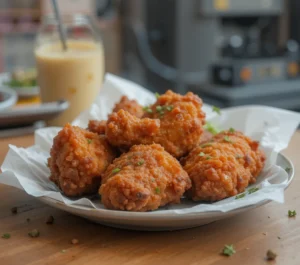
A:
288,169
216,110
208,157
152,180
240,196
228,250
141,162
15,83
157,190
159,108
157,95
201,154
34,233
116,170
292,213
89,141
6,236
237,156
252,190
231,130
206,145
227,139
169,108
147,109
211,128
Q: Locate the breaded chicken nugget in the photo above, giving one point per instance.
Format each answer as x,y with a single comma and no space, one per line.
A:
215,172
131,106
125,130
97,126
77,160
247,151
223,167
181,124
143,179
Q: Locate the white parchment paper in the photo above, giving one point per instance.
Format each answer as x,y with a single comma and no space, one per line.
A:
25,168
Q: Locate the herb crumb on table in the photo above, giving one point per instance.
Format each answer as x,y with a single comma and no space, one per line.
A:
228,250
271,255
34,233
292,213
6,236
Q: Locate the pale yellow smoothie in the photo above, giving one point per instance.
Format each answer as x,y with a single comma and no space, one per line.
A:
75,75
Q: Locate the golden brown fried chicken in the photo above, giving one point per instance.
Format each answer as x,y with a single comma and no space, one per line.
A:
97,126
180,121
131,106
77,160
124,130
223,167
143,179
247,151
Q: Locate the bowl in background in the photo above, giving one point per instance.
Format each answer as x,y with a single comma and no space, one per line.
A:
29,91
8,98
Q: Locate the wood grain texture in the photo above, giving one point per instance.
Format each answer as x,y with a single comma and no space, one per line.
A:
252,233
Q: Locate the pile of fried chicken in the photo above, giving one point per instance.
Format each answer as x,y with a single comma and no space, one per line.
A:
143,158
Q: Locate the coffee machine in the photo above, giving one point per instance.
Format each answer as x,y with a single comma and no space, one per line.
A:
230,52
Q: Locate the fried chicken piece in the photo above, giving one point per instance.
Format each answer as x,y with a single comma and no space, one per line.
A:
131,106
215,173
125,130
181,124
77,160
223,167
143,179
247,151
97,126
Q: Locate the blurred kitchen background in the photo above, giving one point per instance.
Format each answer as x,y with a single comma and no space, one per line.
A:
230,52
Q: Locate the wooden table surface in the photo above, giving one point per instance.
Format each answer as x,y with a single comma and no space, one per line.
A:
252,233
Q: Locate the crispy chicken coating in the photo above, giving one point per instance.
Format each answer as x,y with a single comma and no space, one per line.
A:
143,179
180,121
97,126
124,130
247,151
223,167
77,160
131,106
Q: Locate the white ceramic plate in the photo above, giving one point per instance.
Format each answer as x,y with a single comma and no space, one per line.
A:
21,91
157,220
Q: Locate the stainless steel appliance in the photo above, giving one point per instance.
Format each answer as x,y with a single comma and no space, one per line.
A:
230,52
